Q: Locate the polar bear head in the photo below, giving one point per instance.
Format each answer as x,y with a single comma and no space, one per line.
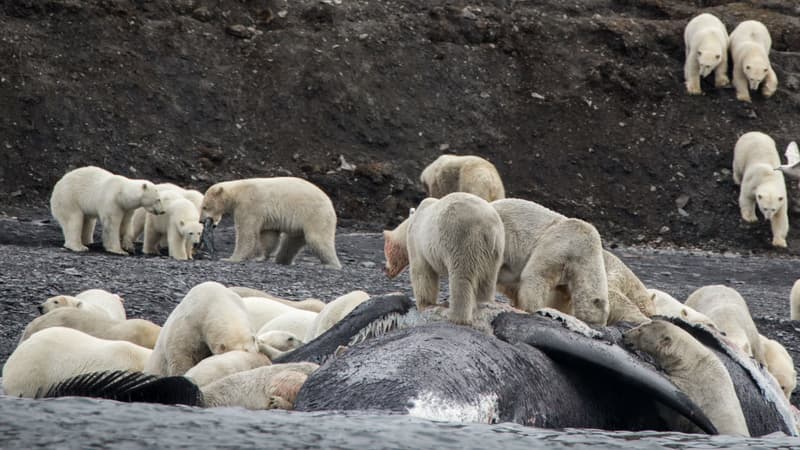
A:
660,339
214,204
59,301
769,199
280,340
756,67
222,336
149,198
779,363
191,231
395,250
709,55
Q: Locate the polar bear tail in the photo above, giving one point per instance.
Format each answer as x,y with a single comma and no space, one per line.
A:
127,386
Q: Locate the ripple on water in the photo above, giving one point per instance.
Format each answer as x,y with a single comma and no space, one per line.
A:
90,423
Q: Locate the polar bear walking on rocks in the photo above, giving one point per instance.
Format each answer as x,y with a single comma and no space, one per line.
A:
750,46
473,174
89,193
779,363
140,216
459,235
180,224
755,160
706,40
263,208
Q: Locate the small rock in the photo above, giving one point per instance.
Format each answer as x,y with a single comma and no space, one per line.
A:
467,14
16,193
682,200
283,13
664,229
72,271
537,96
444,147
202,14
367,264
683,212
344,165
241,31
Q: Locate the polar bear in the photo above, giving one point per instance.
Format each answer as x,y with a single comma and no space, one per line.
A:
140,215
755,159
261,310
473,174
181,226
695,370
750,45
297,322
668,306
794,301
309,304
277,342
780,364
89,193
96,300
210,319
461,236
334,312
219,366
706,40
622,279
263,208
267,387
138,331
730,313
58,353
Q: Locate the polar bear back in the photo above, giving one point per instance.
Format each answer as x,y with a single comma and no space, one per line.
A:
261,310
94,191
780,364
55,354
668,306
468,173
334,312
753,148
108,302
297,322
706,30
137,331
751,31
219,366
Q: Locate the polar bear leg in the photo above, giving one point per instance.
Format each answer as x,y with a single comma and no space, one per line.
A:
125,235
780,227
770,83
424,283
462,298
721,72
176,244
270,239
189,249
741,85
72,226
691,73
747,206
324,248
87,233
289,247
151,239
248,241
536,284
111,232
510,291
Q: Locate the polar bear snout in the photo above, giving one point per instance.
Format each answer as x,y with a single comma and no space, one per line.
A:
156,208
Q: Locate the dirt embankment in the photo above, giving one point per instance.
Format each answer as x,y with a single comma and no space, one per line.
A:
580,104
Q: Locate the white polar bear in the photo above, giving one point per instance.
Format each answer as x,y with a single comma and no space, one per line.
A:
668,306
730,313
267,387
473,174
210,319
140,215
56,354
261,310
334,312
263,208
780,364
794,301
98,324
695,370
219,366
750,45
297,322
706,40
89,193
461,236
309,304
96,300
181,226
277,342
755,159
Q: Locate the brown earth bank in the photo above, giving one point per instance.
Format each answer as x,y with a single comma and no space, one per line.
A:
580,104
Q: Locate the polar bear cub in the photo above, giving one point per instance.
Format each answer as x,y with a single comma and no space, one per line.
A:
219,366
140,215
298,322
180,225
263,208
750,45
779,363
755,159
210,319
730,313
96,300
55,354
473,174
87,194
706,40
695,370
334,312
668,306
794,301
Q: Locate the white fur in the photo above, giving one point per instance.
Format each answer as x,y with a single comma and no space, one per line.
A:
58,353
755,159
309,304
794,301
297,322
140,215
280,340
779,363
261,310
267,387
668,306
219,366
706,41
180,225
473,174
263,208
334,312
210,319
750,45
98,324
89,193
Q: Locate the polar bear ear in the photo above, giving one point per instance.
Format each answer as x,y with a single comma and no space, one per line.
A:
79,304
144,186
411,211
182,223
684,313
665,340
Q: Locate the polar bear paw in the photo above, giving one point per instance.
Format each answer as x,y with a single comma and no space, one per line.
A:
778,242
722,81
76,248
743,96
693,88
749,216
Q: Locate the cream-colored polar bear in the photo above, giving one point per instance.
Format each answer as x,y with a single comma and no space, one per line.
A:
267,387
210,319
140,215
794,301
750,45
181,226
138,331
55,354
297,322
622,279
729,311
695,370
780,364
334,312
668,306
261,310
263,208
309,304
219,366
277,342
473,174
706,40
89,193
96,300
755,159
